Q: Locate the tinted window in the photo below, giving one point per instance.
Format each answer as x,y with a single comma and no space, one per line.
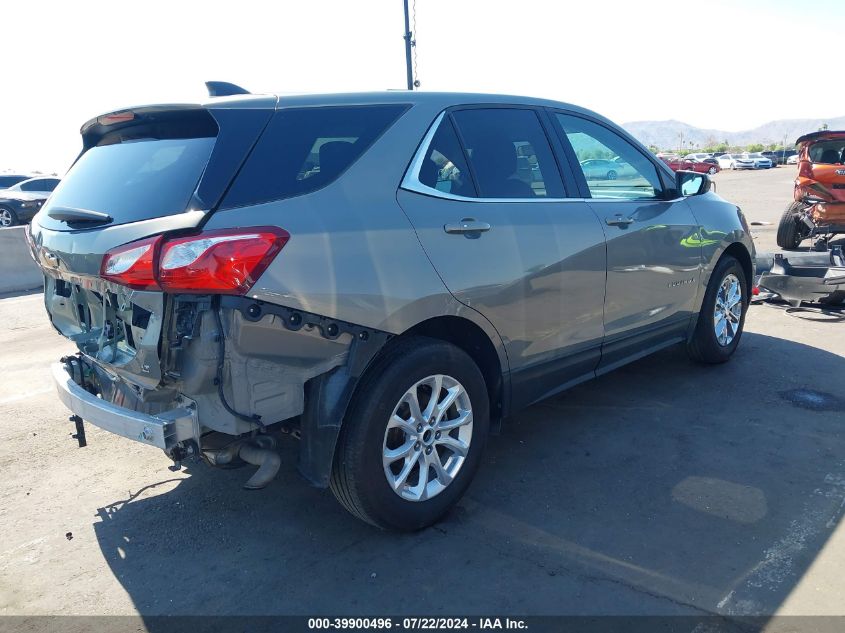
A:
304,149
444,167
631,176
135,180
509,152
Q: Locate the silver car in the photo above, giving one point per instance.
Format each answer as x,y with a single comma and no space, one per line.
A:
384,276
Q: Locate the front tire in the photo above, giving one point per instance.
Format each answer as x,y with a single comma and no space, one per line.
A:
7,217
790,233
413,437
612,175
722,316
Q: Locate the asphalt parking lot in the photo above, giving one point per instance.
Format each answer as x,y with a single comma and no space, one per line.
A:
663,488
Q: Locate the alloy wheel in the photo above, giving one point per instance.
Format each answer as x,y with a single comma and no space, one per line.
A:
728,311
5,218
427,438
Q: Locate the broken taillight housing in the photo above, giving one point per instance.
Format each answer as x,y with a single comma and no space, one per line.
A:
227,261
133,264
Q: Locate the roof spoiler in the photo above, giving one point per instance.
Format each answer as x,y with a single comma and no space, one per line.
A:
224,89
821,133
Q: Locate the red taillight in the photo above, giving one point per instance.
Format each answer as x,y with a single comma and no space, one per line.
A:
227,261
133,264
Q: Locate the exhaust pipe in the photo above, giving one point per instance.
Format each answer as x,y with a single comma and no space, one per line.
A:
260,451
267,460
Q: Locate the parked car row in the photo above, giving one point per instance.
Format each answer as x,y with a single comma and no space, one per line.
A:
704,165
747,160
22,197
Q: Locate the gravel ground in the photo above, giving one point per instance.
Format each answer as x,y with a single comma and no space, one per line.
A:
662,488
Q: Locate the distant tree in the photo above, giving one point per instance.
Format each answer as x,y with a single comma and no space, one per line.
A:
653,149
823,127
756,147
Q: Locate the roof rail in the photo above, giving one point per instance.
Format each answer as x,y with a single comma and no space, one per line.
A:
224,89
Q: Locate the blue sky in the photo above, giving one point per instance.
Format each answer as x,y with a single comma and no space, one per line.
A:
715,63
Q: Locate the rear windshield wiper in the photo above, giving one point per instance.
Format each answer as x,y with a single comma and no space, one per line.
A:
72,214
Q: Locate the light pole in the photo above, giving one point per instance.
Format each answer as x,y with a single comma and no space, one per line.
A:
408,69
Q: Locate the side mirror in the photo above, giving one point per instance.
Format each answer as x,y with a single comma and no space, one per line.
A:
692,183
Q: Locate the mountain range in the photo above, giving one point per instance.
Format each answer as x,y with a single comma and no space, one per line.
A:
667,134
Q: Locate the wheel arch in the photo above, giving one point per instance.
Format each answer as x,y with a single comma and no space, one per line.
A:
738,251
472,339
328,396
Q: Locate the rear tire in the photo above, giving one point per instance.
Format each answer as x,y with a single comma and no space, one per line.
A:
709,343
611,175
7,217
712,170
790,233
370,431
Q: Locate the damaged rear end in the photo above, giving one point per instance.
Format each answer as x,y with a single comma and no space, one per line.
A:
172,353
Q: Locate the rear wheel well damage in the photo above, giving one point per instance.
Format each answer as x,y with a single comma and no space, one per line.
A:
328,396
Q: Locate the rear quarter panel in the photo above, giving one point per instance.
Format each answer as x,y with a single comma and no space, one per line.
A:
353,255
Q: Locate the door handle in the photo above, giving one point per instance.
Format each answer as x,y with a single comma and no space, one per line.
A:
618,220
467,225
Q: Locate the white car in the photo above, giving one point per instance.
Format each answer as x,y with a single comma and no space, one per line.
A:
736,161
760,161
698,157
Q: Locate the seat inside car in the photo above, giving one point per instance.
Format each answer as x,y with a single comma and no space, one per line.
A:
830,156
495,161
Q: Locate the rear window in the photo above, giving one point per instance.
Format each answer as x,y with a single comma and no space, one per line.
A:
828,152
304,149
136,179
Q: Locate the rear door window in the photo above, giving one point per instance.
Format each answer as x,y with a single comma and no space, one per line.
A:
509,153
445,168
305,149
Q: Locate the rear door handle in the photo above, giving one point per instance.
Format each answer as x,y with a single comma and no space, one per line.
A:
467,225
618,220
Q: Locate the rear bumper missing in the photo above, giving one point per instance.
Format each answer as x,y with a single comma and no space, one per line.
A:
163,430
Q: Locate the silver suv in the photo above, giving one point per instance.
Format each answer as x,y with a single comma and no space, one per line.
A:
384,276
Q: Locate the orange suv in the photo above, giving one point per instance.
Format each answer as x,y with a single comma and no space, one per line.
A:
818,208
